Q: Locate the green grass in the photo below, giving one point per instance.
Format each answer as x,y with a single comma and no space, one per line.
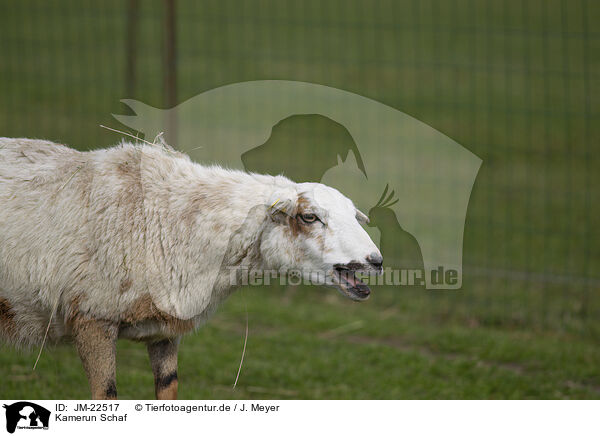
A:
313,344
515,82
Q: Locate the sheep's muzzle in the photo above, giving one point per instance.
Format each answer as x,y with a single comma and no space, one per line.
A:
345,279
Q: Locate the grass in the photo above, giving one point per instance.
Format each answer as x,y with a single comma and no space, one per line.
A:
515,82
313,344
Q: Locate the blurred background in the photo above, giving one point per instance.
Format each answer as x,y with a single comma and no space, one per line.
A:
515,82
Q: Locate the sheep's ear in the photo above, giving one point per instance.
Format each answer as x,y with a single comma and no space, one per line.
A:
281,207
361,217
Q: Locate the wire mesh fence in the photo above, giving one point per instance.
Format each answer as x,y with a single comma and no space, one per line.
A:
512,81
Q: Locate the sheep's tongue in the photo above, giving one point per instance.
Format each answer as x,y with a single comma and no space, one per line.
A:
355,285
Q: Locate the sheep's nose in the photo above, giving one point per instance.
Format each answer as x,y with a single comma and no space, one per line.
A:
375,259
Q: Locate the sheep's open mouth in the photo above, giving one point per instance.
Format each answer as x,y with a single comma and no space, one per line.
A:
351,286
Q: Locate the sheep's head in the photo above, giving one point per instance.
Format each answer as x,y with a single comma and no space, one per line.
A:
317,231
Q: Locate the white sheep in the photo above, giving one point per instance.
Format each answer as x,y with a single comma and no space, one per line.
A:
139,242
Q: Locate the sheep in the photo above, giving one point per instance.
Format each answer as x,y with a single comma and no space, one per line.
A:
138,242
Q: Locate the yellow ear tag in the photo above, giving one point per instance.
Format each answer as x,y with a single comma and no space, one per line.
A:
276,201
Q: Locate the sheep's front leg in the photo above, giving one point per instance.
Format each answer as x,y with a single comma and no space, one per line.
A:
96,342
163,359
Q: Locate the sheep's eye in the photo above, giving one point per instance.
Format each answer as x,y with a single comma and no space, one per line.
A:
308,218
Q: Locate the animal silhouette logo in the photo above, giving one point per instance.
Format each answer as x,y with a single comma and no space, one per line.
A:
430,174
26,415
